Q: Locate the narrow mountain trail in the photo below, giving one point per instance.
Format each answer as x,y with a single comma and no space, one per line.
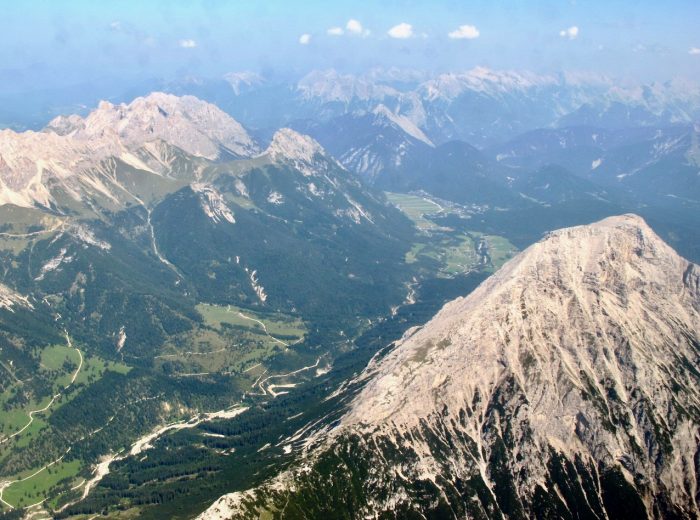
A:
34,233
31,413
6,484
270,390
264,329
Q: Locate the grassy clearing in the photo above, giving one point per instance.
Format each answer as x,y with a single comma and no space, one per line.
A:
58,364
278,325
94,367
234,342
53,358
416,208
35,488
500,250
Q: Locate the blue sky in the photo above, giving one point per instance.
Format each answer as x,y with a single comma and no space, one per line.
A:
58,43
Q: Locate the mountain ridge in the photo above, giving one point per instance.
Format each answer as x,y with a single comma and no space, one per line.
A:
148,134
565,382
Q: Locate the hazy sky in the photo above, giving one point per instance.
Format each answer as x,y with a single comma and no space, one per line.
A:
58,43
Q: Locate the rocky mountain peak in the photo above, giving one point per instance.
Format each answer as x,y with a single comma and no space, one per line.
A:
197,127
586,343
383,114
300,150
568,381
71,145
564,305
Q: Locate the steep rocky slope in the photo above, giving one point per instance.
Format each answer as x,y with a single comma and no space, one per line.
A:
566,386
195,126
77,158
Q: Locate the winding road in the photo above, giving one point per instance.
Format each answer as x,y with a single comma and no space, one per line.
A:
264,328
31,413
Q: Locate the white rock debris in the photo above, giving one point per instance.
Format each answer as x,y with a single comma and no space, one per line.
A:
255,284
275,197
61,258
241,188
213,203
10,298
121,338
83,233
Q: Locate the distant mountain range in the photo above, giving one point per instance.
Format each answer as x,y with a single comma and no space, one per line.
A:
204,271
481,106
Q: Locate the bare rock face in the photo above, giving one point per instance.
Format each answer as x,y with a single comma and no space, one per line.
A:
299,150
145,134
10,299
195,126
566,386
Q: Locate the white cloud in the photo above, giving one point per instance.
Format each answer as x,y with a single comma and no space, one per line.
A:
464,32
353,26
187,44
695,51
571,33
305,39
401,31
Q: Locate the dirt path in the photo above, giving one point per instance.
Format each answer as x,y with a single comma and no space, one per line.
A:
33,233
8,483
264,328
31,413
271,388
